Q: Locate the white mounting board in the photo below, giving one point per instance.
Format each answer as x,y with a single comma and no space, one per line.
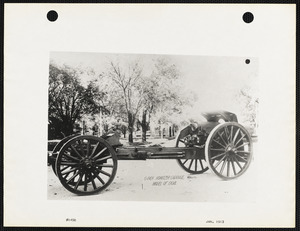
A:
178,29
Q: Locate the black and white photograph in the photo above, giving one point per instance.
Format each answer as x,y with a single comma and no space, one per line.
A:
138,127
149,115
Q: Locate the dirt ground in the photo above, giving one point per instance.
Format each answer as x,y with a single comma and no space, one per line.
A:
152,180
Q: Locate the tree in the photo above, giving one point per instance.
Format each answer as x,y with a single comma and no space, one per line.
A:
135,96
69,99
162,94
248,98
126,92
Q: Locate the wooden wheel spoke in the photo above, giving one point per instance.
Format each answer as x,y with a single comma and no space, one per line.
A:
233,168
217,149
222,154
86,181
99,153
68,163
196,169
64,168
103,158
236,135
222,138
219,162
223,166
246,152
244,144
73,177
226,134
228,167
78,182
191,163
219,143
77,171
237,161
93,181
231,134
105,173
94,149
71,170
201,163
66,176
71,157
88,148
243,158
185,161
77,153
105,165
98,177
81,147
239,139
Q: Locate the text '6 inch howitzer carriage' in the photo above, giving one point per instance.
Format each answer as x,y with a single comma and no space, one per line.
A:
88,164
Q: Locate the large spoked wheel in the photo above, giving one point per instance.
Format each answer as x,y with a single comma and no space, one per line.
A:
193,166
57,147
228,150
86,165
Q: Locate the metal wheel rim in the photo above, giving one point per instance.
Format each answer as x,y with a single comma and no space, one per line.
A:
234,151
189,164
58,146
86,165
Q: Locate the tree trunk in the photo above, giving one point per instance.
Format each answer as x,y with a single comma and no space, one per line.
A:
124,132
67,127
144,126
130,137
131,120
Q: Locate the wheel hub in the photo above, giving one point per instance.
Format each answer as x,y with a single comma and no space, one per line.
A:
230,149
87,163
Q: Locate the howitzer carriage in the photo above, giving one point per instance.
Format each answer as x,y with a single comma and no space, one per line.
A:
88,164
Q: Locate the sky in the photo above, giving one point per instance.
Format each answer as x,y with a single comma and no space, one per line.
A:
215,80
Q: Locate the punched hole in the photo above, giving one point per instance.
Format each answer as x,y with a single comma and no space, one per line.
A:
247,61
248,17
52,15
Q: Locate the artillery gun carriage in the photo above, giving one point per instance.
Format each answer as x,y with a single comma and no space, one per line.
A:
88,164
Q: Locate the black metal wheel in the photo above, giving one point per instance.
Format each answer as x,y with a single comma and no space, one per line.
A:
86,165
228,150
193,166
57,147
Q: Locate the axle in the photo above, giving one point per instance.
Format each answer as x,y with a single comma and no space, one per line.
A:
143,153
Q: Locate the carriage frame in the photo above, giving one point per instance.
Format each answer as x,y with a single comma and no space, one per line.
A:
88,164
